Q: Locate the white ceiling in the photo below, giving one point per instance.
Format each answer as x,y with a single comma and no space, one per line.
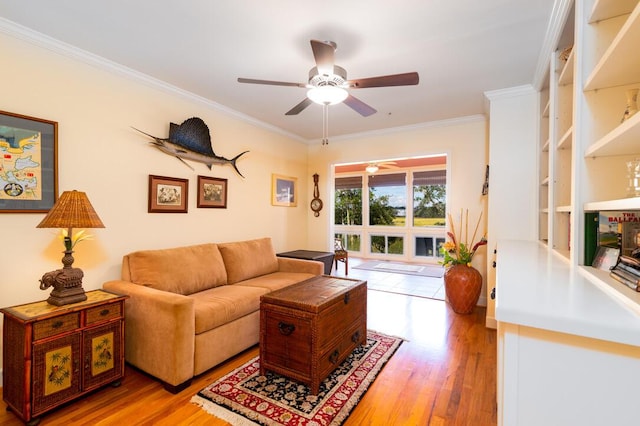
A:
460,48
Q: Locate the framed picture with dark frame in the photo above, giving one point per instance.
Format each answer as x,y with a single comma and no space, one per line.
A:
284,191
29,172
168,194
212,192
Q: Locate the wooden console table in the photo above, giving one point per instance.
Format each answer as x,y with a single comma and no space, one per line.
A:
54,354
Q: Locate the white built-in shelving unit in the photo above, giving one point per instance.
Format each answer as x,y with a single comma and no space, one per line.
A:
557,316
584,145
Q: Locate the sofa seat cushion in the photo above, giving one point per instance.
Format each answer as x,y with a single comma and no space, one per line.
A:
275,281
182,270
248,259
221,305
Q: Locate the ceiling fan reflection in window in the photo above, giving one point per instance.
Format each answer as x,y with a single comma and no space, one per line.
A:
374,167
328,84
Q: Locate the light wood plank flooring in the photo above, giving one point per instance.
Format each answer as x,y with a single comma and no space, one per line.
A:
444,374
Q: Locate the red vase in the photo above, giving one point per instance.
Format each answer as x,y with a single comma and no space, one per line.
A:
462,284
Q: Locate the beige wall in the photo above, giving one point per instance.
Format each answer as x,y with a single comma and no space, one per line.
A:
100,154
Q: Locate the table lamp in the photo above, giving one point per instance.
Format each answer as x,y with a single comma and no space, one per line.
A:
72,210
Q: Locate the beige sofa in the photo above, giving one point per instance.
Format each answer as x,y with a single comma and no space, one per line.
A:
190,308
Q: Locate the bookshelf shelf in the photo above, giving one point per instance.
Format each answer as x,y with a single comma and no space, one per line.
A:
620,204
565,141
620,63
566,76
605,9
623,140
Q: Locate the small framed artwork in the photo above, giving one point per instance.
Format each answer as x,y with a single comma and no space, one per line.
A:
212,192
29,168
284,191
168,195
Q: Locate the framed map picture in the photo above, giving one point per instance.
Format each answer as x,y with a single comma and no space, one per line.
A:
28,170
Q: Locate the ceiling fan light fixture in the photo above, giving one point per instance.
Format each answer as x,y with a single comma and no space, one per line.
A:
371,168
327,95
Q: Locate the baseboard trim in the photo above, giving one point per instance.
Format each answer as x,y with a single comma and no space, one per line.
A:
491,322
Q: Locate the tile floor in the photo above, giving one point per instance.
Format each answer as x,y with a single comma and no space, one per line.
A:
392,282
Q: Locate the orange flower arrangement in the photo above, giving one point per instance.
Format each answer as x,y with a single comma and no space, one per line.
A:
457,252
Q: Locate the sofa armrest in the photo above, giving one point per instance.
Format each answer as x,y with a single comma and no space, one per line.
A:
159,331
289,264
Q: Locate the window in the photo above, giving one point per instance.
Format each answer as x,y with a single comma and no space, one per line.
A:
428,246
388,199
348,201
429,198
395,213
350,242
387,244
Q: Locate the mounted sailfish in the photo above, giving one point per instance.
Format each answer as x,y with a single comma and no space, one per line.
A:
191,141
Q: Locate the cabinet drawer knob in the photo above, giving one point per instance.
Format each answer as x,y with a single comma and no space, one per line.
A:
286,329
104,312
333,358
347,297
57,324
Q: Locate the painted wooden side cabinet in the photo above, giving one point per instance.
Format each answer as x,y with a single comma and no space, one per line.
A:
54,354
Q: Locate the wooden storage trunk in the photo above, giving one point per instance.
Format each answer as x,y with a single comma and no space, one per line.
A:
308,329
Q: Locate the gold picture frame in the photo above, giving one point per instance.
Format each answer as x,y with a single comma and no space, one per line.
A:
284,191
168,195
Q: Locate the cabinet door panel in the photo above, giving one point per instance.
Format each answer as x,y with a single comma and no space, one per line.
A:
56,372
102,351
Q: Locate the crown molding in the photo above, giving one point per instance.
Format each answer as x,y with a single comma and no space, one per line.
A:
510,92
410,128
64,49
559,14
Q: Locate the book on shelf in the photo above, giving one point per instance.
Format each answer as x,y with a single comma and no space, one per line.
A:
590,237
627,271
630,237
605,257
632,284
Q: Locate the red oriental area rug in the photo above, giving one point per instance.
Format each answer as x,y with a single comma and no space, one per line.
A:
244,397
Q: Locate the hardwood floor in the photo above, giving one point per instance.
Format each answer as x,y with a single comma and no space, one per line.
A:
443,374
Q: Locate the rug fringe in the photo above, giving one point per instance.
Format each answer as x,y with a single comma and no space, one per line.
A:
221,412
404,339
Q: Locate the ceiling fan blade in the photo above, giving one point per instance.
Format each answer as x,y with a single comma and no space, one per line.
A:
406,79
359,106
323,53
298,108
270,82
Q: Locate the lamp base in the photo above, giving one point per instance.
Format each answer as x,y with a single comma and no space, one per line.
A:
67,296
67,286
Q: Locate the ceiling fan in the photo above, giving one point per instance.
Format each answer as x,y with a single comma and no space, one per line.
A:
375,166
328,82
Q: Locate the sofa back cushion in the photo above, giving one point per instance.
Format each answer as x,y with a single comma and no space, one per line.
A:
248,259
182,270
